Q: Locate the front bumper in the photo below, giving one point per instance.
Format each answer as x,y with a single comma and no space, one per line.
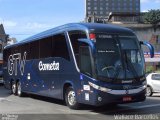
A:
107,98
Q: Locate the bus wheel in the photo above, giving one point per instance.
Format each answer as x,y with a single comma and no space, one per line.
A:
19,89
70,98
14,88
149,91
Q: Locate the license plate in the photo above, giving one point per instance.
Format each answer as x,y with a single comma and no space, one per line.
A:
126,99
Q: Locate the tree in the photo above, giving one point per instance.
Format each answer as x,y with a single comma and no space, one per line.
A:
152,17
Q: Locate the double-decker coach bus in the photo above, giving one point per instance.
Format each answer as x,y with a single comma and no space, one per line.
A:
82,63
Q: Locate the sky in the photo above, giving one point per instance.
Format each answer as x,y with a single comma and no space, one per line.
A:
24,18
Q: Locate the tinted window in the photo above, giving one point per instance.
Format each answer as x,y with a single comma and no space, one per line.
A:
74,36
46,47
85,60
128,42
108,56
17,49
60,48
53,46
6,54
156,77
106,42
26,48
34,50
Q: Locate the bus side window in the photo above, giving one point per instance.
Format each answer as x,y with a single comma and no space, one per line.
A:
59,47
34,50
85,60
25,48
46,47
74,36
6,54
17,49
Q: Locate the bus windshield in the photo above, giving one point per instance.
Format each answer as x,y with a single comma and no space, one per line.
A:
118,57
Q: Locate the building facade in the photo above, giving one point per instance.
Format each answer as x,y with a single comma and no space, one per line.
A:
115,10
3,42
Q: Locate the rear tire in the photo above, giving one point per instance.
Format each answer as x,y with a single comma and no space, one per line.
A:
19,89
70,98
149,91
13,88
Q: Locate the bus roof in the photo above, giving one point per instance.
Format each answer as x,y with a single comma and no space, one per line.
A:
88,27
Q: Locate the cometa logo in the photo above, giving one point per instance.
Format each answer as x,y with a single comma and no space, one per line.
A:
48,66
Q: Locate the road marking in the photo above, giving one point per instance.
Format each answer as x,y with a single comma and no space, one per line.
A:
80,112
146,106
132,108
139,107
1,99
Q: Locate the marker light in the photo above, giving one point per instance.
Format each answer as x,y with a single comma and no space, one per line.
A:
103,89
92,36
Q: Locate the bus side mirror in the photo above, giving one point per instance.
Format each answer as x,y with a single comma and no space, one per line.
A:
151,48
89,42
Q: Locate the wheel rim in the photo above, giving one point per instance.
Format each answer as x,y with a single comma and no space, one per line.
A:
71,98
148,91
19,88
14,88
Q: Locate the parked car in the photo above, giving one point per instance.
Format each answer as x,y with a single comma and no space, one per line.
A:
153,83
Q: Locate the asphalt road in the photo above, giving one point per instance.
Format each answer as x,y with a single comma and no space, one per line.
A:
40,108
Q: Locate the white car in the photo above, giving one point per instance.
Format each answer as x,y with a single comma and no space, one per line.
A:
153,83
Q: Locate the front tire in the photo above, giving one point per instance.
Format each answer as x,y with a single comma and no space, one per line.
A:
70,98
149,91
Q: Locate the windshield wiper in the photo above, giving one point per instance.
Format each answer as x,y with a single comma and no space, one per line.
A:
117,71
129,64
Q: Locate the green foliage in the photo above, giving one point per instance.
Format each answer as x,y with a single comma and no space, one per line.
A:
152,17
149,69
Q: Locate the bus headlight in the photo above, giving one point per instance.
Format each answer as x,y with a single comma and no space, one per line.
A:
103,89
